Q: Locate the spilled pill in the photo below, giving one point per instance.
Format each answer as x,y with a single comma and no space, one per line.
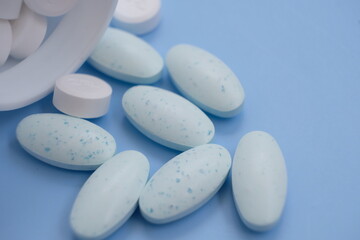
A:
259,180
65,141
167,118
51,8
185,183
110,196
205,80
137,16
82,95
5,40
28,33
126,57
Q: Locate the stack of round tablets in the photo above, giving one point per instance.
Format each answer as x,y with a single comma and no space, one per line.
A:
23,25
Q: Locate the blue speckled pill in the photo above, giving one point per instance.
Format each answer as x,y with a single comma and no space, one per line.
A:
205,80
185,183
65,141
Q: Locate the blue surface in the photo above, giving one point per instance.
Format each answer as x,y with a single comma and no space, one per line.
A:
299,64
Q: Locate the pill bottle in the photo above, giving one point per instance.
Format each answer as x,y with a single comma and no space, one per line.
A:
63,51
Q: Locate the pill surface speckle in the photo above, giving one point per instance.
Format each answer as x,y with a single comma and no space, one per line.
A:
82,95
185,183
110,196
259,180
65,141
126,57
137,16
167,118
205,80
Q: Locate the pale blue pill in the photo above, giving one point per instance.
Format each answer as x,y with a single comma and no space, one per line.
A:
65,141
126,57
205,80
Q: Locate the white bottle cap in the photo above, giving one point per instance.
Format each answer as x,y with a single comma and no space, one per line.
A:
51,8
5,40
10,9
82,95
137,16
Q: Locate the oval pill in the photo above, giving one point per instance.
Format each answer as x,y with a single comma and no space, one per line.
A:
259,180
110,196
51,8
10,9
65,141
167,118
5,40
126,57
185,183
28,33
137,16
205,80
82,95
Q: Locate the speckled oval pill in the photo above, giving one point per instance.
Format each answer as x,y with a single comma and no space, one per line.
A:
259,180
65,141
167,118
185,183
110,196
126,57
205,80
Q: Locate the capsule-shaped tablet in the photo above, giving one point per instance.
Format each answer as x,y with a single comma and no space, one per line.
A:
259,180
126,57
167,118
51,8
10,9
65,141
185,183
28,33
5,40
205,80
110,196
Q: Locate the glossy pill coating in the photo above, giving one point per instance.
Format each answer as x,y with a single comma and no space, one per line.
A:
110,196
167,118
82,95
5,40
185,183
65,141
205,80
51,8
10,9
137,16
259,180
126,57
28,33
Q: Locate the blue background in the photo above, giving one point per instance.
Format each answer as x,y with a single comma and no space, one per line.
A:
299,64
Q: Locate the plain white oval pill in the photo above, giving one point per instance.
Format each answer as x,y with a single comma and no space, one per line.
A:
259,180
205,80
28,33
51,8
137,16
65,141
167,118
110,196
10,9
5,40
185,183
126,57
82,95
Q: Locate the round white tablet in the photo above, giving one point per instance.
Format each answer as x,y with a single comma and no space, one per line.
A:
51,8
137,16
5,40
82,95
28,33
10,9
